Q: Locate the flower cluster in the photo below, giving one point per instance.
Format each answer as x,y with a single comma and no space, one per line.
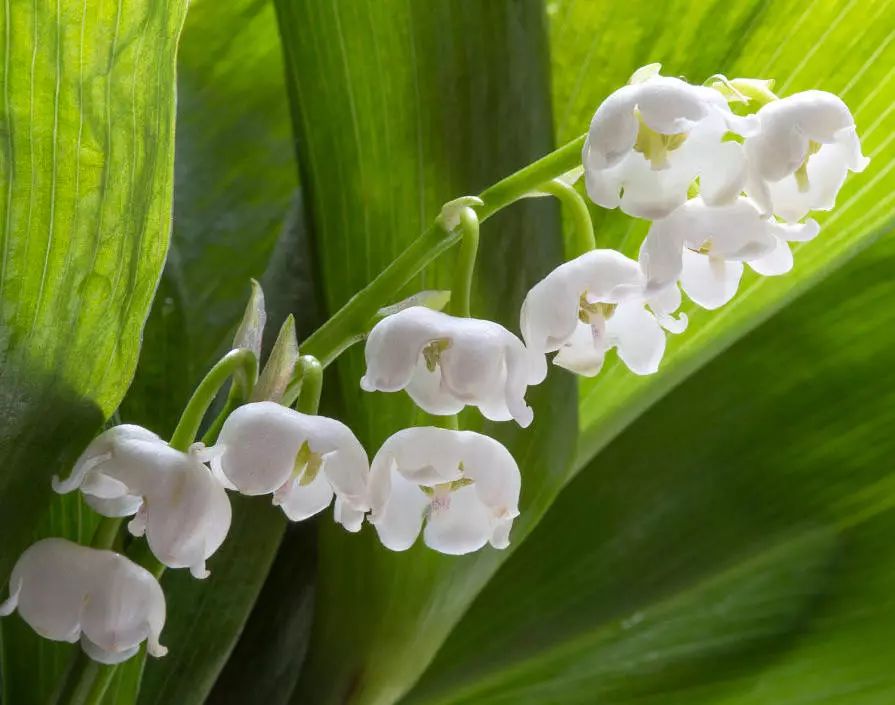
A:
727,173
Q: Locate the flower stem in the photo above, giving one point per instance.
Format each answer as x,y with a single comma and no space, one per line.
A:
469,246
234,361
311,384
349,323
584,228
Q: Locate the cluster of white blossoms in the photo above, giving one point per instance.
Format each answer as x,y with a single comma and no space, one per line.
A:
722,189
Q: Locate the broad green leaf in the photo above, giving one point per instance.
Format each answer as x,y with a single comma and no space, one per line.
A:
400,107
234,196
86,148
786,435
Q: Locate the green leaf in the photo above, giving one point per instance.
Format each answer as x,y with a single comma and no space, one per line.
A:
401,107
234,206
785,433
86,149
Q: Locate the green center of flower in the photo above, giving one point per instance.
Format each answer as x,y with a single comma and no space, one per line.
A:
432,352
588,311
307,465
440,494
704,249
801,173
654,145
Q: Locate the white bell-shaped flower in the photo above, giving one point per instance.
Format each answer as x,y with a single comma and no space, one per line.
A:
67,592
798,159
650,140
704,247
303,460
181,508
463,486
594,303
445,362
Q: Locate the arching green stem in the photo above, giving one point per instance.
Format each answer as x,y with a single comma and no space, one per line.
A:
311,384
469,247
191,418
350,322
576,206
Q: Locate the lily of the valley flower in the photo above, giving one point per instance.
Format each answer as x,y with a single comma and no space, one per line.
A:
67,592
179,505
591,304
462,485
445,363
704,247
650,140
303,460
798,159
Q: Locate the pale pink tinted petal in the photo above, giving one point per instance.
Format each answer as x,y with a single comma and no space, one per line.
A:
463,527
582,354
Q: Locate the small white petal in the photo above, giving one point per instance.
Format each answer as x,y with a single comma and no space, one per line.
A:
613,129
671,106
709,282
426,389
583,352
347,515
398,517
463,527
777,261
299,501
638,337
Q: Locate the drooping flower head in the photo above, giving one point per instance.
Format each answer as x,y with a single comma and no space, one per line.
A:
445,363
799,157
591,304
67,592
649,140
704,247
463,486
303,460
179,505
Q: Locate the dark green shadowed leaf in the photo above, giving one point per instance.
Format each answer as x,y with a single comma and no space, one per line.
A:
86,152
235,194
400,107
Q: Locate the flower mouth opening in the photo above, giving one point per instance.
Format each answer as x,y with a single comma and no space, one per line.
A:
432,352
801,174
307,465
589,311
655,146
